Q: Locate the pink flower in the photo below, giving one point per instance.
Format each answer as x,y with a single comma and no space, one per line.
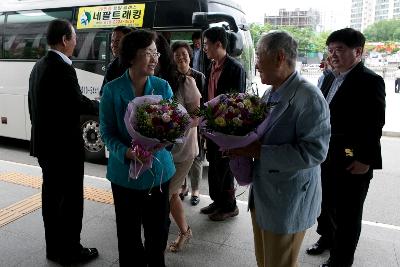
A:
166,117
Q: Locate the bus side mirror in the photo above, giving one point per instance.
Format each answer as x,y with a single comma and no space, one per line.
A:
244,27
235,44
199,20
204,19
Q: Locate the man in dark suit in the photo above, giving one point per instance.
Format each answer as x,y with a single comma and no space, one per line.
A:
115,69
196,47
224,75
356,97
56,140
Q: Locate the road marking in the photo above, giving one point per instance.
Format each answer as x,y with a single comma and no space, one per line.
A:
21,179
33,203
20,209
90,193
18,164
105,196
382,225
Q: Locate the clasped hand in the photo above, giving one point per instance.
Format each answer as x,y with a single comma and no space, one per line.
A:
130,153
253,151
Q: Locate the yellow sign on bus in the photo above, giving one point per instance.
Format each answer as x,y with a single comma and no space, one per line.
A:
110,16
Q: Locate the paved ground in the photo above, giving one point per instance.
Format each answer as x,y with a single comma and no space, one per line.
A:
214,244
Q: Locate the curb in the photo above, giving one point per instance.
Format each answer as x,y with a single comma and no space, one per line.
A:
391,134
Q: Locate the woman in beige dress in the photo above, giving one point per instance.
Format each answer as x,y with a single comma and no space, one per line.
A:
187,94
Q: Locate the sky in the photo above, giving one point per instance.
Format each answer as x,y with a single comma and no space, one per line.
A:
255,9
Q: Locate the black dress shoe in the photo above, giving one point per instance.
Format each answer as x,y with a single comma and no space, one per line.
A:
53,257
82,256
87,254
318,248
326,264
333,263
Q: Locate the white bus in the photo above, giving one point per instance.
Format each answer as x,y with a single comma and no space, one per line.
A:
23,26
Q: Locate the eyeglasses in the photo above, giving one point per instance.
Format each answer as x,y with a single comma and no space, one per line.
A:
338,50
154,55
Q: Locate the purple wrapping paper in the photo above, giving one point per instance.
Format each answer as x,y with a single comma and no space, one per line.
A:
242,169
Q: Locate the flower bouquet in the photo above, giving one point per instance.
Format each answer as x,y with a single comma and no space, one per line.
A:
234,121
153,123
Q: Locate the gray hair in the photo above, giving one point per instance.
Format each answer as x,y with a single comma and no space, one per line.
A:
275,41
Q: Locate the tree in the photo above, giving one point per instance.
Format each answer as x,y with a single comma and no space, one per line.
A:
256,30
303,36
320,40
308,40
384,30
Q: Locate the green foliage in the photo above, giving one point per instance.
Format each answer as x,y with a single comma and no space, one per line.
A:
257,30
384,30
320,40
308,40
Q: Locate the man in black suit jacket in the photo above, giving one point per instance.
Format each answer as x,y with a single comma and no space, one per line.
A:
56,140
356,97
115,69
224,75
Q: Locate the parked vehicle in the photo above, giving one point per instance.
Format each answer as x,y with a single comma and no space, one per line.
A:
23,41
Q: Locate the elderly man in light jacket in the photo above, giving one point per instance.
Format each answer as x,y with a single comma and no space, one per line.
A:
285,197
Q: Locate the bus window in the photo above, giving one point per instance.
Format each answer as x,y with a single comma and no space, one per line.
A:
90,51
90,45
24,33
181,36
1,35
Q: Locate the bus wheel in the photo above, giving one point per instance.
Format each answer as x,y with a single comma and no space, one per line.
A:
94,146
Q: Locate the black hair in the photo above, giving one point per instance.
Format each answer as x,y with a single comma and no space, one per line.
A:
179,44
216,34
177,77
165,64
57,29
132,42
350,37
196,35
123,29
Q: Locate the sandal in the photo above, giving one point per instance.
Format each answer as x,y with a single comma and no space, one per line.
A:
184,193
180,242
194,200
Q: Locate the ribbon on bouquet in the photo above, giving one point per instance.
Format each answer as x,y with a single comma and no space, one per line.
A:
144,158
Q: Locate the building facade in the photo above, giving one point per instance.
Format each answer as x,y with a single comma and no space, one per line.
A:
299,18
367,12
362,14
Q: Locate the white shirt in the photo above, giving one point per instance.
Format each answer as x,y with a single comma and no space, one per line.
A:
397,74
339,78
63,56
196,59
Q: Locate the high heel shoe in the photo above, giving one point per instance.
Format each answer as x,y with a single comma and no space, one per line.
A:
180,242
184,192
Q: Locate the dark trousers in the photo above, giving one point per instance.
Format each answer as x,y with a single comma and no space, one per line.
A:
220,179
343,196
134,208
62,204
397,85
